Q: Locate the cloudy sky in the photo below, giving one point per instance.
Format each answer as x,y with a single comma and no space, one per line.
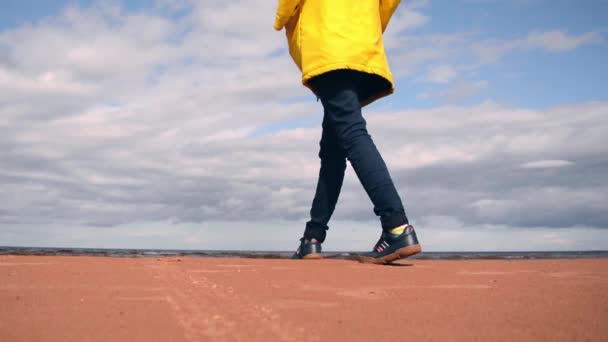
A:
183,124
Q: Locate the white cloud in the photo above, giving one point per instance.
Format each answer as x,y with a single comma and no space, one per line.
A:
456,91
542,164
441,74
490,50
407,17
560,41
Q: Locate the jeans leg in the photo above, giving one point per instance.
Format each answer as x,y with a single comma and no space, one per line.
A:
331,178
344,114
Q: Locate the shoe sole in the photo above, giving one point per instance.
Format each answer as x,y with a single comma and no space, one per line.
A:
312,256
396,255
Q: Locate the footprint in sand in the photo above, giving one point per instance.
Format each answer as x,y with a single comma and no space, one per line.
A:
495,272
144,298
301,304
461,286
213,271
563,274
25,263
235,265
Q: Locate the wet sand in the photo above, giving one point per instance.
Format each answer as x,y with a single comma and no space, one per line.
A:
67,298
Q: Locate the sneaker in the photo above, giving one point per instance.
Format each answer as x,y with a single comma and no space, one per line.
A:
393,247
308,249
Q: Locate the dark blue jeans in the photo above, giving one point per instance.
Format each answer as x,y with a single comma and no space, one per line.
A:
344,137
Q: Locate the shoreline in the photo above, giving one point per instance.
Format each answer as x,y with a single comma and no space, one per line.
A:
343,255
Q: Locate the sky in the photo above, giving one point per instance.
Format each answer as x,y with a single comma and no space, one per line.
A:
183,124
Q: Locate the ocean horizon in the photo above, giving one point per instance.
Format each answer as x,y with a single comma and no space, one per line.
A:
261,254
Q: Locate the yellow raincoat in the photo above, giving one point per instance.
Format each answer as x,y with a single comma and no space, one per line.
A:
326,35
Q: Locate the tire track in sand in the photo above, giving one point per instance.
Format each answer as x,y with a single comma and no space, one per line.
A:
206,308
196,311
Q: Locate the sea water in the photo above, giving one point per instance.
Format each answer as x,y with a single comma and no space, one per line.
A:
112,252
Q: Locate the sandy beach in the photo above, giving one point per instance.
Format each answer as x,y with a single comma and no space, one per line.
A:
68,298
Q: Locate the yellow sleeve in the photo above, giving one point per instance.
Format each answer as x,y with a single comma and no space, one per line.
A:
285,10
387,8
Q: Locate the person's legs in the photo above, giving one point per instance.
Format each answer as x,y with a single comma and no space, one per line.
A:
338,93
345,134
331,177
